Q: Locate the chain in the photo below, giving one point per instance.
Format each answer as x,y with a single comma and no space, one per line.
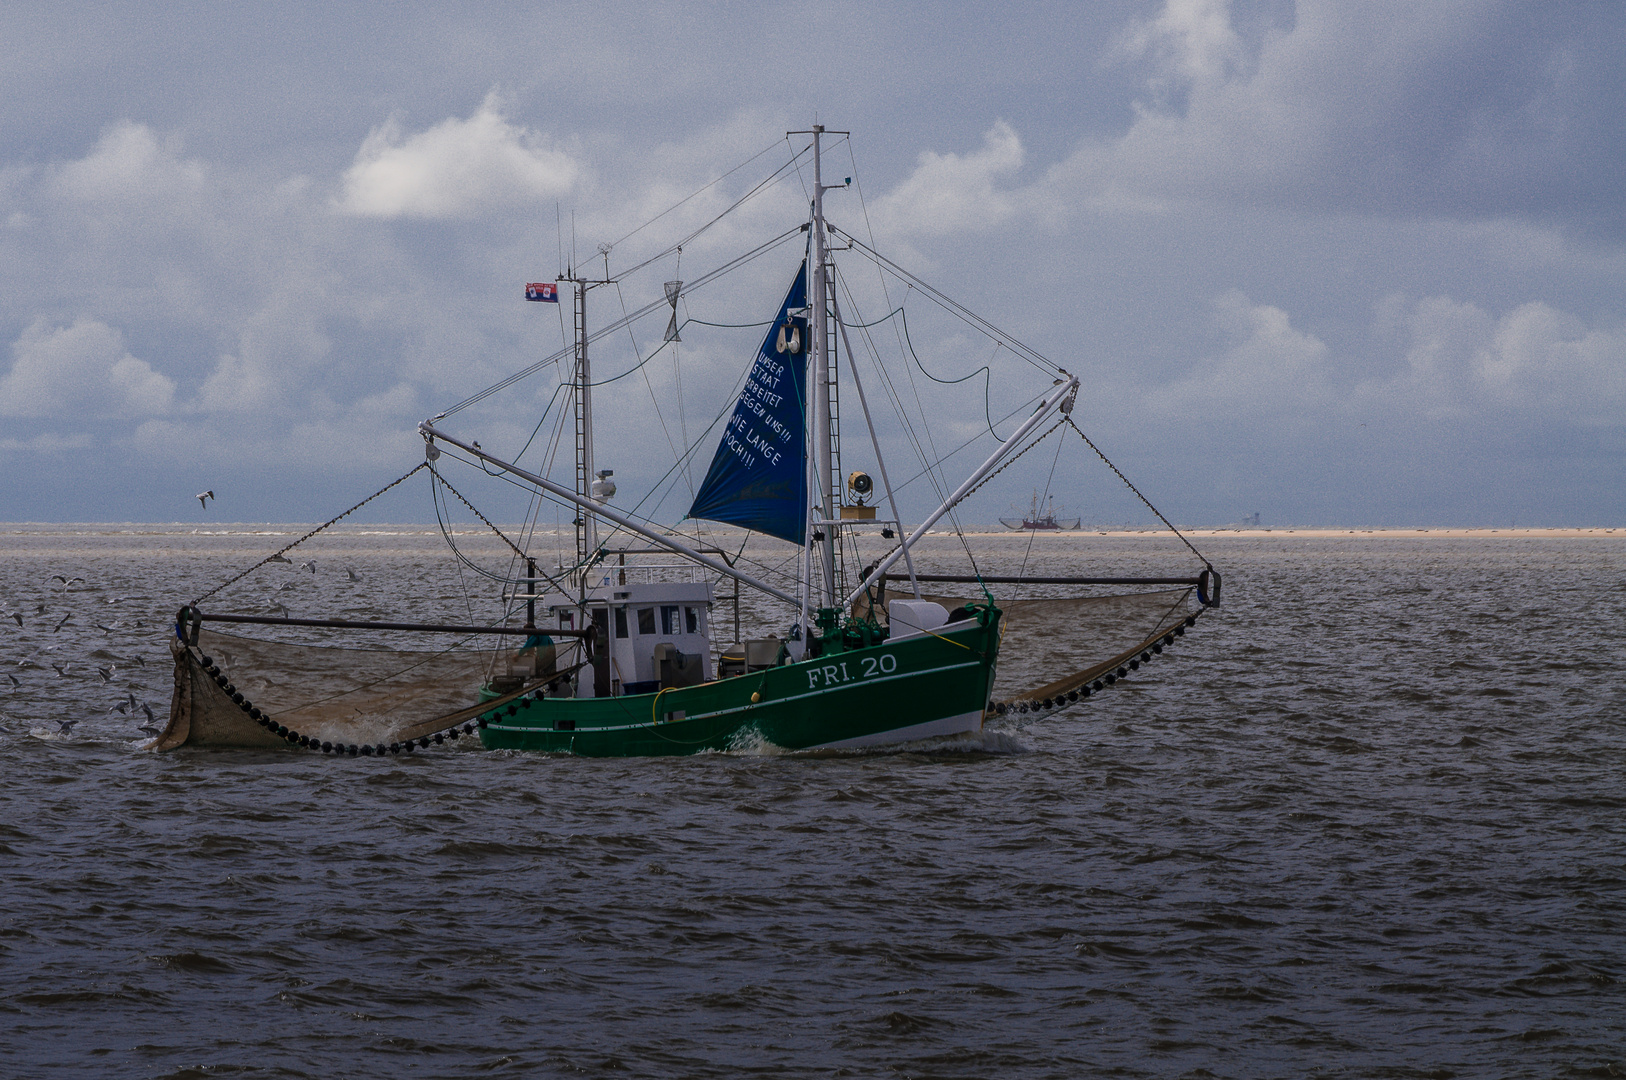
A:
457,724
307,536
1136,490
1019,705
1014,458
447,485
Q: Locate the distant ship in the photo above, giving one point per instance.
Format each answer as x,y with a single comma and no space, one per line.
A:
1048,523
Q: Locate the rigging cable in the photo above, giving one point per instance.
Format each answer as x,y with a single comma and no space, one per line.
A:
653,305
948,303
1033,534
325,525
986,371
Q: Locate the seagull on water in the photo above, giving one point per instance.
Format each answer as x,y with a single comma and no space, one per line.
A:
151,729
353,575
203,498
278,558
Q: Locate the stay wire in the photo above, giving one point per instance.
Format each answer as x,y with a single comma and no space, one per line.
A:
1033,534
696,193
654,305
948,303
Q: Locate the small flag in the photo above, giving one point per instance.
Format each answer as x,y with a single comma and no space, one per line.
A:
545,291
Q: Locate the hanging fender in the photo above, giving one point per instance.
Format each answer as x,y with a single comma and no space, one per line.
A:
790,338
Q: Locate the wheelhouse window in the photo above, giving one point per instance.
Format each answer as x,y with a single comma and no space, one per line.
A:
669,620
691,618
646,620
620,622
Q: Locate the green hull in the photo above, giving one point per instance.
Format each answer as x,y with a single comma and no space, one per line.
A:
919,687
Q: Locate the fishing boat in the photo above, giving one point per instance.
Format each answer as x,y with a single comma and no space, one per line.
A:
1037,522
620,652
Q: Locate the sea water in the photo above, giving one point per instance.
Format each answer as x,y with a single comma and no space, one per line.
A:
1365,820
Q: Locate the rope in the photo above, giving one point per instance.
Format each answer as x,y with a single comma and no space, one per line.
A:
1136,490
307,536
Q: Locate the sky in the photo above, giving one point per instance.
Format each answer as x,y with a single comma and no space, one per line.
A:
1335,264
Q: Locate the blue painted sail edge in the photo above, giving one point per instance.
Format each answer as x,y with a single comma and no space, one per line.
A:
758,479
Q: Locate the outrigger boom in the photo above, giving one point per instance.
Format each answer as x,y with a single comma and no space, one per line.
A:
428,431
1060,397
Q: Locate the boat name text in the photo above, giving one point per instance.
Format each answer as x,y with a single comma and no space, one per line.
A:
835,674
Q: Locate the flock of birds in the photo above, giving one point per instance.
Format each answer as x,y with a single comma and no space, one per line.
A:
48,622
106,674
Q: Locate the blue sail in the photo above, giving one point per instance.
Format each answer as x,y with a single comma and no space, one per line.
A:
759,477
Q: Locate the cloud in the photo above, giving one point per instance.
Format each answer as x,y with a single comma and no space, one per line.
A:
950,193
1269,372
83,369
131,164
456,169
1447,109
1535,363
1531,368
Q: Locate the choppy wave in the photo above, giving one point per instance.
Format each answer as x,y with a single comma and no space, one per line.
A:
1366,821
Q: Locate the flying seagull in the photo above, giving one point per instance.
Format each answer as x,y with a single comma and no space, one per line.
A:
353,575
61,624
148,710
107,676
18,616
311,566
277,558
203,498
60,670
65,727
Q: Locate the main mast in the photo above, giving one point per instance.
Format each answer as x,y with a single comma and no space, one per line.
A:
819,308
